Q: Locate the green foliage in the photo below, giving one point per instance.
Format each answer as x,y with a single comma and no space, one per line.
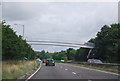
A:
70,54
107,43
81,54
55,55
60,55
13,46
44,55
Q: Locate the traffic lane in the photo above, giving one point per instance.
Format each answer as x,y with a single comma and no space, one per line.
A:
65,71
84,73
54,72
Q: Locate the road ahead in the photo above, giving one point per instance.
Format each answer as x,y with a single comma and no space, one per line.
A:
65,71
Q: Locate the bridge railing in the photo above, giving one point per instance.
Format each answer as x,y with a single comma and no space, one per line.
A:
68,44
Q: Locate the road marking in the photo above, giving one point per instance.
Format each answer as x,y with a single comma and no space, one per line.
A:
89,80
66,69
94,69
74,73
34,72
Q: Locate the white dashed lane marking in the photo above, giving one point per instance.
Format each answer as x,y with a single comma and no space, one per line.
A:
74,73
66,69
89,80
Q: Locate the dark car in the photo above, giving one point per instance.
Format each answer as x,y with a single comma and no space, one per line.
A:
50,62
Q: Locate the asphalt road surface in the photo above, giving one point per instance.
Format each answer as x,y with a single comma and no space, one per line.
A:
66,71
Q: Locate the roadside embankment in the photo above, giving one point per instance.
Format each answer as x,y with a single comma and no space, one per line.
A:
17,69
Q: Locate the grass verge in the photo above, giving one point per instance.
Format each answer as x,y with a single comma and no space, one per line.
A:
16,69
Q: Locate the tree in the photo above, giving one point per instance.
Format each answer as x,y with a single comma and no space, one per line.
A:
70,54
42,55
59,55
13,46
107,43
81,54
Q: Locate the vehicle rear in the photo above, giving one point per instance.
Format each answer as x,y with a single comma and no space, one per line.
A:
44,60
50,62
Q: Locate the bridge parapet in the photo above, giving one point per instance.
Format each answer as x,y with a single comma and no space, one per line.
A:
67,44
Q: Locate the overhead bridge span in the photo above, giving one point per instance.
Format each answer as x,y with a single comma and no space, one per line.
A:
66,44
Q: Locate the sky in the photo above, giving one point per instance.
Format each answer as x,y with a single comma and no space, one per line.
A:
75,22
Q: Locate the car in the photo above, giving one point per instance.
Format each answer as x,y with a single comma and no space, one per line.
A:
62,60
94,61
50,62
44,60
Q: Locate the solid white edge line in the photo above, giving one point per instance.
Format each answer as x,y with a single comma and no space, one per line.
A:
34,72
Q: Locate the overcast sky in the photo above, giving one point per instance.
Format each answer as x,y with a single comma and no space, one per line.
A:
59,21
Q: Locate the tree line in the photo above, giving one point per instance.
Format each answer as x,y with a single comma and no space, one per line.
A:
69,54
13,46
107,47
